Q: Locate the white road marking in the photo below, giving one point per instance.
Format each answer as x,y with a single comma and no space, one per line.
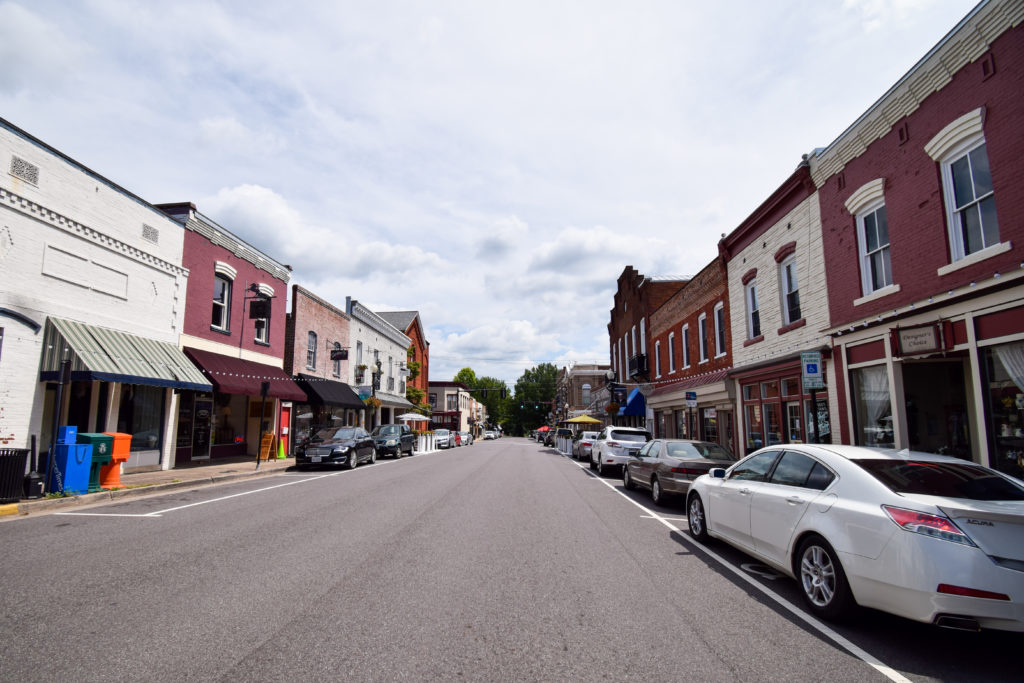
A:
887,671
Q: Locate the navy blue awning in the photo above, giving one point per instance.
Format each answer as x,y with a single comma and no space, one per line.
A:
636,404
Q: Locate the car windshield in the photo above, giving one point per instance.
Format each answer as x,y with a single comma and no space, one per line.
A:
332,434
386,430
630,436
952,480
441,432
701,449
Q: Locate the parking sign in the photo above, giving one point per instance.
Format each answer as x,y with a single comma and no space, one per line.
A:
810,370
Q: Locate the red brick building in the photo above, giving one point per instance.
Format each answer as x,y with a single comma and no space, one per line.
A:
636,297
234,332
317,356
409,322
922,213
690,355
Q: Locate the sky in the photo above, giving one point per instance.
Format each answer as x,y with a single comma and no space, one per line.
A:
492,164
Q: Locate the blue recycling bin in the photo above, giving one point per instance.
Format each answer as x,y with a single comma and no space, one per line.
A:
73,461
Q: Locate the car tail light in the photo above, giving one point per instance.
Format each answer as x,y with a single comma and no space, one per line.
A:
614,444
935,526
970,592
586,443
688,471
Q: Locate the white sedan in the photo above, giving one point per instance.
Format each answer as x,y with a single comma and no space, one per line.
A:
926,537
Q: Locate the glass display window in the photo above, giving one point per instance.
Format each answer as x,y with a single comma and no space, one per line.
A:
1004,393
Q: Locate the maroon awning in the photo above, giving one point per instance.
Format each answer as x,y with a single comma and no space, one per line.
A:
231,375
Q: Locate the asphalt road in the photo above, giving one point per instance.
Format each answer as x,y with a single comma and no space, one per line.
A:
499,561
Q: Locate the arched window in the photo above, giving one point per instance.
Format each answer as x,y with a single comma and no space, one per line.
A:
311,351
586,394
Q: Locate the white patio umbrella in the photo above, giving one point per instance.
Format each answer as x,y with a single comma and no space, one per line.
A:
413,417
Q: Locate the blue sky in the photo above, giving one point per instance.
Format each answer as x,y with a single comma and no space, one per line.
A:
494,165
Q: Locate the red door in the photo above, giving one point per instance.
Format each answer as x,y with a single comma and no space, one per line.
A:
286,441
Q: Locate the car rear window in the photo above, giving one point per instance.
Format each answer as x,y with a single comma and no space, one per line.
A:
629,436
712,451
954,480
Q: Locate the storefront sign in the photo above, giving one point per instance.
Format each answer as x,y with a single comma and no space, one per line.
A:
915,341
691,399
364,392
811,370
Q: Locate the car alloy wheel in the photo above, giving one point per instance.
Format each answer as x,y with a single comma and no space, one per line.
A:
822,579
696,520
592,464
600,468
353,459
627,480
373,456
656,494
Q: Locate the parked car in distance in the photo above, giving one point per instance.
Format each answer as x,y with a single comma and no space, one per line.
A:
667,466
443,438
549,437
393,439
333,446
582,444
488,435
457,438
467,438
927,537
613,447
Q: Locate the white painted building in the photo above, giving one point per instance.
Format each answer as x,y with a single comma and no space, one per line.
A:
373,340
91,274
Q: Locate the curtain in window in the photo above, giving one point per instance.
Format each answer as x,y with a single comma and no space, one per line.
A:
873,407
1012,358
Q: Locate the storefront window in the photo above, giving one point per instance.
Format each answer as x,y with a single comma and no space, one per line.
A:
1004,367
821,415
681,424
754,428
770,389
872,409
229,418
750,392
791,386
141,415
794,431
710,416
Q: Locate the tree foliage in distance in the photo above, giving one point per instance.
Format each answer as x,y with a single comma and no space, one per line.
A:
486,390
534,393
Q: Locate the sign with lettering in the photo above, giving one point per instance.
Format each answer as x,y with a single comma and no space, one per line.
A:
916,341
811,370
691,399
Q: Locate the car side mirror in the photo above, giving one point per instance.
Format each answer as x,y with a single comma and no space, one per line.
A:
717,473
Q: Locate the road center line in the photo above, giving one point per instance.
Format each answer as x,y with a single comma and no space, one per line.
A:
887,671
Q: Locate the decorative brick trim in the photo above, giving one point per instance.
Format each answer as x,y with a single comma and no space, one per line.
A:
748,276
750,342
792,326
785,251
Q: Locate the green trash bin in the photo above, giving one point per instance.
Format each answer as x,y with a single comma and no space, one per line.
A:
102,452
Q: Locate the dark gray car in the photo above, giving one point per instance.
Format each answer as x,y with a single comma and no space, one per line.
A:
667,466
394,440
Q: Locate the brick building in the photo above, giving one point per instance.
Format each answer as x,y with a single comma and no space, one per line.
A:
778,306
923,220
317,356
691,354
418,352
636,297
234,332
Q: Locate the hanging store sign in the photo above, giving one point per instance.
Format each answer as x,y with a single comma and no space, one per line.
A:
917,341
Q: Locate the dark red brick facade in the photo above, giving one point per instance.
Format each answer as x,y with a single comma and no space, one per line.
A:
330,324
636,297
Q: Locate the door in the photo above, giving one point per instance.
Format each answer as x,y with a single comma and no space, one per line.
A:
285,432
729,507
645,461
777,507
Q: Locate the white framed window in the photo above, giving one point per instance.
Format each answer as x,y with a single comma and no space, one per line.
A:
643,336
790,288
686,346
873,240
311,343
753,310
719,329
962,155
220,318
671,352
337,363
657,359
632,338
702,336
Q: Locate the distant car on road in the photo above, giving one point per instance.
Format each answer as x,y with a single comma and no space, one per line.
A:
667,466
613,447
582,445
345,446
926,537
443,438
395,440
467,438
488,435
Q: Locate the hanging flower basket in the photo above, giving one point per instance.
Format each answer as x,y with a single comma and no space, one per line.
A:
372,402
611,408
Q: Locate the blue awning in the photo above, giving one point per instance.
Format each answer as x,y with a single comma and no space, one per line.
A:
636,404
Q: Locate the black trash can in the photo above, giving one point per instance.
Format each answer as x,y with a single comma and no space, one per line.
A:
12,473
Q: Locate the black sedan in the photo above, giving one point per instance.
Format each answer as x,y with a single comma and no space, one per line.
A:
333,446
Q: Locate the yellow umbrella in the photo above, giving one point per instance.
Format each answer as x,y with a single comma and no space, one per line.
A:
584,419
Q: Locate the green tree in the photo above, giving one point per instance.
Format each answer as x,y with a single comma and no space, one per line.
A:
467,377
534,394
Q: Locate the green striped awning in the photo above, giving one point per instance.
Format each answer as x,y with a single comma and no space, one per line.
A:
100,353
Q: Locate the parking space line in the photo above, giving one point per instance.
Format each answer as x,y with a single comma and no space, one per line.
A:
887,671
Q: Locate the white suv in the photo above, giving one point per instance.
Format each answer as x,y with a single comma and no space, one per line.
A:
613,447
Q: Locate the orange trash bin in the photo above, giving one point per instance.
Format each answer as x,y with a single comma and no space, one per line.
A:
110,474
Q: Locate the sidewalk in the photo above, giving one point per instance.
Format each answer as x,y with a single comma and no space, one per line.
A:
145,483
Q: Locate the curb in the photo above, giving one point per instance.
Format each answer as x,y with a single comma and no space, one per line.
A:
46,504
